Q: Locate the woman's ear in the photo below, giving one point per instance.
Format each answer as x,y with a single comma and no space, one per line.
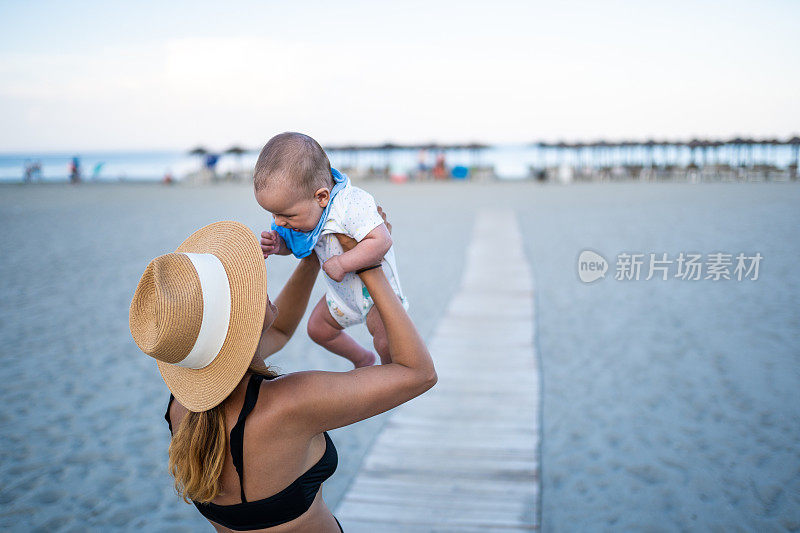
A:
322,196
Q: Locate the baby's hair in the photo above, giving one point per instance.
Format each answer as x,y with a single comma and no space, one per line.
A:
294,160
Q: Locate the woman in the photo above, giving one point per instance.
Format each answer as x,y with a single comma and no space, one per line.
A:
251,448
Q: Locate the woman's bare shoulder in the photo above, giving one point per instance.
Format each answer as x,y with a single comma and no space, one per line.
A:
280,400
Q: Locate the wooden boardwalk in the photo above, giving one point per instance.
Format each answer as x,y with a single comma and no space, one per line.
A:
464,456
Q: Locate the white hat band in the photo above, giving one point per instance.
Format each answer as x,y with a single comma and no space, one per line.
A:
216,291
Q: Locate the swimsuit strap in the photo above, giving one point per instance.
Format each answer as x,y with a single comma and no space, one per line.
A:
237,433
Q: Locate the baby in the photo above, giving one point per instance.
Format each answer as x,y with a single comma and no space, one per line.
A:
310,202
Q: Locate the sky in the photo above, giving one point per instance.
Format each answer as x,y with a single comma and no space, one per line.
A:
171,75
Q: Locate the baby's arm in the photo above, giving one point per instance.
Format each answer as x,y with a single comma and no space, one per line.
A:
368,252
273,244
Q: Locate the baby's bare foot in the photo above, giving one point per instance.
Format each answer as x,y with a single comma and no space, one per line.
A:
367,360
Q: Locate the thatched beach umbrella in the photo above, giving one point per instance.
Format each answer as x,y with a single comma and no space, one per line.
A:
649,150
628,152
387,149
736,147
352,150
750,151
198,150
602,148
665,152
579,152
794,142
475,150
237,151
769,150
541,152
694,146
560,147
718,147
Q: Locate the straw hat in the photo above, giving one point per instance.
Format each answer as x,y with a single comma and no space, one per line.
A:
200,310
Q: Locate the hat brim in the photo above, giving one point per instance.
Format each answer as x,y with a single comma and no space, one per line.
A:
238,250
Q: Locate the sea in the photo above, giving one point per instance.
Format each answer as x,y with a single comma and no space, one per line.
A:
511,161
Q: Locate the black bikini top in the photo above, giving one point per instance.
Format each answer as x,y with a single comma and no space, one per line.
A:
279,508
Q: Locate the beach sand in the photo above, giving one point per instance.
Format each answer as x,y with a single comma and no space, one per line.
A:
667,404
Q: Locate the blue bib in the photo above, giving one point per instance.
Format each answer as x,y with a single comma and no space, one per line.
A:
302,243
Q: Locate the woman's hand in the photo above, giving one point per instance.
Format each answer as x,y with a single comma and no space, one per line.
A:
347,242
385,220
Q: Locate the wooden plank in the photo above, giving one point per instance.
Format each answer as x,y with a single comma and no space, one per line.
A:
410,526
464,456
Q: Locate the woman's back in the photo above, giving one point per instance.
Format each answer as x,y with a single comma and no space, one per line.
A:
282,467
204,314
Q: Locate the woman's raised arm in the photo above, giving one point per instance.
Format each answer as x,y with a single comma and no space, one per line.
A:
316,401
292,303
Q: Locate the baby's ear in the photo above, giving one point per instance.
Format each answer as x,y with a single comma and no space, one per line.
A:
322,196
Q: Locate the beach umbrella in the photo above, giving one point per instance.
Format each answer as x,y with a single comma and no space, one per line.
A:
665,152
543,147
769,150
540,152
763,144
560,147
476,146
627,149
649,147
352,150
705,144
579,151
387,149
198,150
718,146
677,150
736,147
475,149
794,142
602,152
694,146
237,151
749,147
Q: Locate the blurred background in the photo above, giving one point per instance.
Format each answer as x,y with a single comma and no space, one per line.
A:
516,88
612,126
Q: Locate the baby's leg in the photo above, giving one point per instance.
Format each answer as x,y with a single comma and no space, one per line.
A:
378,332
325,331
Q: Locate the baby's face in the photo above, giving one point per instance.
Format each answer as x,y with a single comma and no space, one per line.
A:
292,209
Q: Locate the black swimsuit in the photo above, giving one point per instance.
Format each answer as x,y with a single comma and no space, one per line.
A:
279,508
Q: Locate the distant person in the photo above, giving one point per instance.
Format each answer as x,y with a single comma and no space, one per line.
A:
211,162
422,163
28,173
168,179
312,202
75,170
250,447
440,168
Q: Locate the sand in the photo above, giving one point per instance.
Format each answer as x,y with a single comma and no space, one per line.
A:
667,404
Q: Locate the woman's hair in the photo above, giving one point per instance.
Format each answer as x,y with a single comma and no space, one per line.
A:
197,453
